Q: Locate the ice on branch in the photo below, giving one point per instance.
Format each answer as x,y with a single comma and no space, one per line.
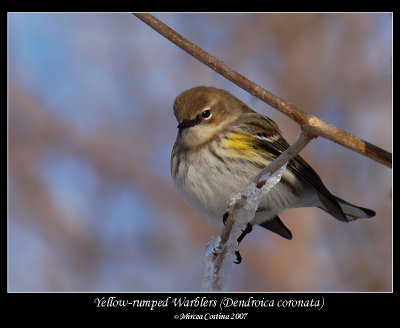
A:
246,201
208,283
220,252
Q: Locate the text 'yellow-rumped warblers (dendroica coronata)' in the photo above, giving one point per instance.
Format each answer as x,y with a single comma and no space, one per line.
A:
222,143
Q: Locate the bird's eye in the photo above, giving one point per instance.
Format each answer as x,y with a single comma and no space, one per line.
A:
206,114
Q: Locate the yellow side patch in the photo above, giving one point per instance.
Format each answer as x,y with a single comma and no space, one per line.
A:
242,145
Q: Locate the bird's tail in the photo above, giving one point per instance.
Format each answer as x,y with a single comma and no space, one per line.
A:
344,211
354,212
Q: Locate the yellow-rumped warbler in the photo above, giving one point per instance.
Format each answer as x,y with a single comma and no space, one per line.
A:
222,143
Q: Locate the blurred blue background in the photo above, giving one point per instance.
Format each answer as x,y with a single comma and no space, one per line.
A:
92,206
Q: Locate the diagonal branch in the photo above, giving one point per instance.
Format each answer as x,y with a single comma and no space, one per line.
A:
313,125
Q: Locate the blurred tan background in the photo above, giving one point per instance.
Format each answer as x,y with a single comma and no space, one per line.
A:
92,206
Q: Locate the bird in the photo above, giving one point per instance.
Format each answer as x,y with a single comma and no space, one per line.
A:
222,144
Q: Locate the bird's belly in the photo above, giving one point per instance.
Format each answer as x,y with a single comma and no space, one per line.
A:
208,185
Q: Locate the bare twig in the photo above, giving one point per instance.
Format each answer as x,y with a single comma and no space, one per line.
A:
312,124
298,145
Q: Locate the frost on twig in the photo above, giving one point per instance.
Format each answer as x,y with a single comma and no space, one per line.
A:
210,270
242,206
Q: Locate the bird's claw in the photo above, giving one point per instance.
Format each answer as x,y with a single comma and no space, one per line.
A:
238,258
224,218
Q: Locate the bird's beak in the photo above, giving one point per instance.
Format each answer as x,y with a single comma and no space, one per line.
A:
184,124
